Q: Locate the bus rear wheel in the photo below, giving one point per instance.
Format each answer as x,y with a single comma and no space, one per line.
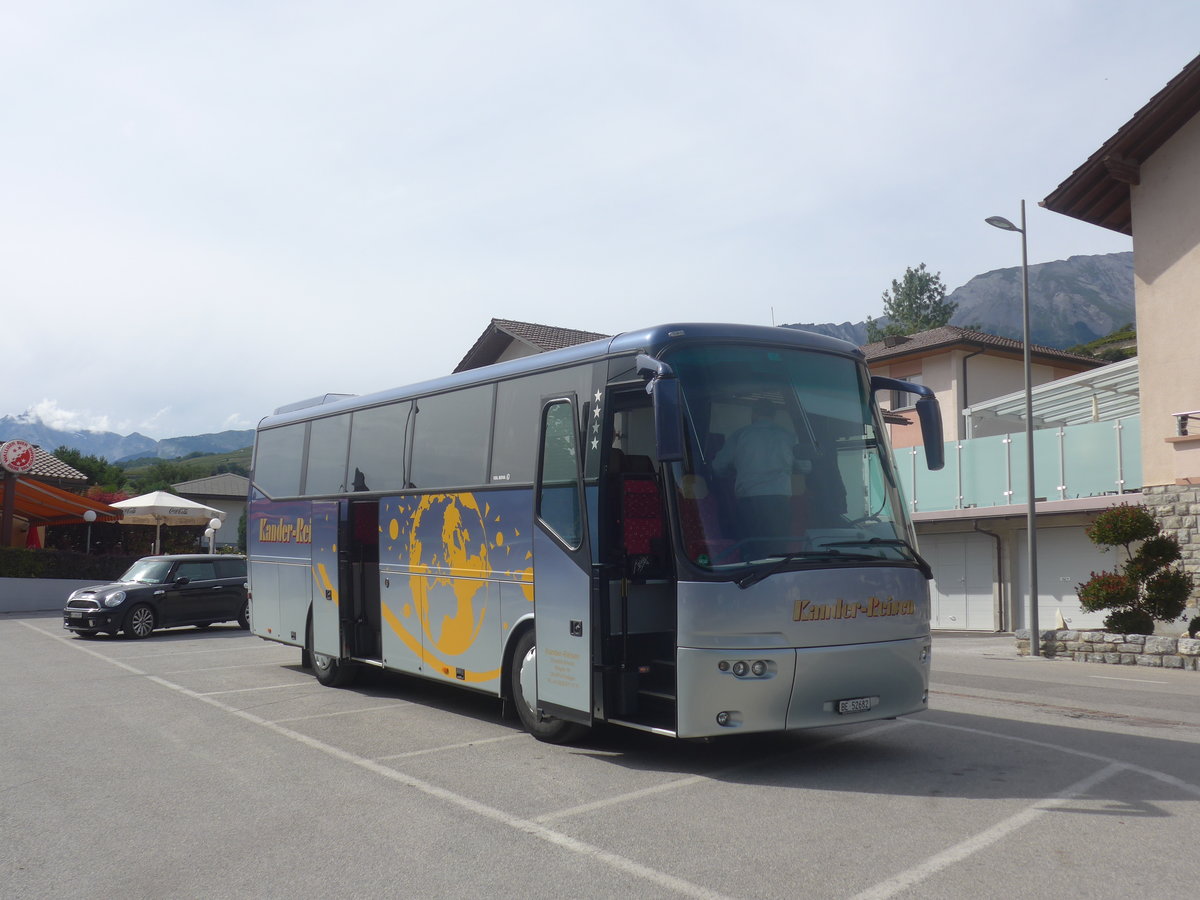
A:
328,670
523,690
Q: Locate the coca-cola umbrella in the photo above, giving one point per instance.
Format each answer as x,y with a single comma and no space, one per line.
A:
161,508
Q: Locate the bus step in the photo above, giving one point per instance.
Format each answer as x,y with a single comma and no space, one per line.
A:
657,695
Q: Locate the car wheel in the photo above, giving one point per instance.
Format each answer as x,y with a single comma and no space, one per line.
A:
244,616
139,623
523,690
329,671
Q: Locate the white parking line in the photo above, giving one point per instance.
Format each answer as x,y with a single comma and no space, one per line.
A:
270,664
459,746
984,839
269,687
1138,680
340,712
524,826
696,779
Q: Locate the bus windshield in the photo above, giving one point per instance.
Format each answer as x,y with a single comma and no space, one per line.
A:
784,464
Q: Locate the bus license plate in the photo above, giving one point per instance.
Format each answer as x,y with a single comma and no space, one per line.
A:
858,704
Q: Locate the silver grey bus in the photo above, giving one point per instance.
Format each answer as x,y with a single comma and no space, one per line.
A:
587,535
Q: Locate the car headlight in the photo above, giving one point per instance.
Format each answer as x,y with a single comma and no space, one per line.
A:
115,599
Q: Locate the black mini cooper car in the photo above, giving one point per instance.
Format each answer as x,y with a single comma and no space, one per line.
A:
161,592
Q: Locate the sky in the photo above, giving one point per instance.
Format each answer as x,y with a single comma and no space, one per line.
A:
209,210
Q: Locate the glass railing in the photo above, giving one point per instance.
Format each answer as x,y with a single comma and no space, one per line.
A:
1091,460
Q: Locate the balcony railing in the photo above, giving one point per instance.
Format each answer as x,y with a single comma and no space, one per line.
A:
1091,460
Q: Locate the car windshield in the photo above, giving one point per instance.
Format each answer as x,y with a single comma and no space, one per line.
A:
148,571
785,466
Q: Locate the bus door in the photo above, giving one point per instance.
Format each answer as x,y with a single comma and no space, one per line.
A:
637,590
359,554
326,622
562,569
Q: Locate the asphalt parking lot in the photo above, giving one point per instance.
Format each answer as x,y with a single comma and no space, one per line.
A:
209,764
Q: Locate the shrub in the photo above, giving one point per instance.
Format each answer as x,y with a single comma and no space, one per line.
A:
1106,589
1148,588
1129,621
20,563
1120,526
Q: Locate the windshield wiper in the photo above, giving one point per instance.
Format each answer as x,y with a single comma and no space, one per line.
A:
889,542
766,571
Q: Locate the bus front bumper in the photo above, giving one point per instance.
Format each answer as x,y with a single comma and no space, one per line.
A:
740,691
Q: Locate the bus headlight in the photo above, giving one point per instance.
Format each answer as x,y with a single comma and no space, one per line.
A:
740,668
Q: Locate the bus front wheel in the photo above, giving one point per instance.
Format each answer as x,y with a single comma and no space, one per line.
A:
328,670
523,689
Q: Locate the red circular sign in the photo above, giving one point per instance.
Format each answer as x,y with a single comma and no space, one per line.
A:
16,456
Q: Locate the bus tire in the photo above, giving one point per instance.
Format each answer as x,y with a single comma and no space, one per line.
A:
328,670
523,689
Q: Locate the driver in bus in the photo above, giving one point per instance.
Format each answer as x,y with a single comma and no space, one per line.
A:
764,456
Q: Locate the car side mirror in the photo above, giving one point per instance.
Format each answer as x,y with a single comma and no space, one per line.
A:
181,581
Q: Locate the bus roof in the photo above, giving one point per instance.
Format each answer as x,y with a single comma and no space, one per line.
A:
652,341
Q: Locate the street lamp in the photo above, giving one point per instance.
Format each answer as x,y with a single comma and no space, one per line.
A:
89,516
1035,642
211,533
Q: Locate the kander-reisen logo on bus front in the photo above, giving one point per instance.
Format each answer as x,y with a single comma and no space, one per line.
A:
807,611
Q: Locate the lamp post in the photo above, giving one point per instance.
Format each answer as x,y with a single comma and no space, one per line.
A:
1035,641
211,531
89,516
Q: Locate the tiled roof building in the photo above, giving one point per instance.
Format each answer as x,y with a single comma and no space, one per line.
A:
505,339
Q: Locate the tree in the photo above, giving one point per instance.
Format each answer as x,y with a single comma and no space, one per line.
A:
159,476
1148,587
918,303
98,470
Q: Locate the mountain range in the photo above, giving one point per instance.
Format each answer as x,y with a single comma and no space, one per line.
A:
117,447
1071,301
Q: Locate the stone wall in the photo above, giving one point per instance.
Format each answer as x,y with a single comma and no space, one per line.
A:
1177,508
1116,649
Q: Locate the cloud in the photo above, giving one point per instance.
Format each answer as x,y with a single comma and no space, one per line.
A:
49,413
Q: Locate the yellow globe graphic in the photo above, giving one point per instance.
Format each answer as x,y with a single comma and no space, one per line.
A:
448,552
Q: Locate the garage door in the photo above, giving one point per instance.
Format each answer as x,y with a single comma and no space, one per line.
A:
964,578
1065,559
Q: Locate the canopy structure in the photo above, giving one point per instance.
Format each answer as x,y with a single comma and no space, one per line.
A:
42,504
160,508
1100,395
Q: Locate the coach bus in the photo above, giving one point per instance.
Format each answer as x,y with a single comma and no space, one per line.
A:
570,532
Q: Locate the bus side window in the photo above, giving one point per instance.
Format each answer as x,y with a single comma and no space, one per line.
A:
558,499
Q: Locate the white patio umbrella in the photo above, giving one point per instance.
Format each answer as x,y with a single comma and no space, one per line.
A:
160,508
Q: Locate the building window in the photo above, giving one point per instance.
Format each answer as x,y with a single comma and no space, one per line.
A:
904,399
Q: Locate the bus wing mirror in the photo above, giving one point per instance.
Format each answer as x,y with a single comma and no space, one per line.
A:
929,413
663,388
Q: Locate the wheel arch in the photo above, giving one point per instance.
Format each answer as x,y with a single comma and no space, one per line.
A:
522,625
